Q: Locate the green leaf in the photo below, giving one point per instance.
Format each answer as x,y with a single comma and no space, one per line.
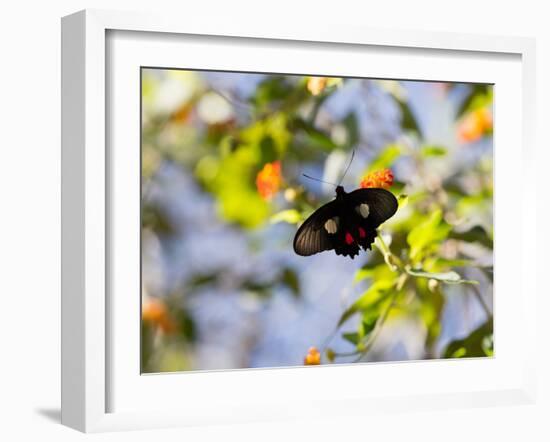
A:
201,279
351,337
487,345
259,289
291,280
291,216
408,120
479,96
477,344
367,326
268,149
233,184
433,151
376,273
432,230
362,274
273,88
155,218
321,140
475,234
459,352
315,137
172,359
402,200
267,139
439,262
186,323
386,157
350,122
431,308
240,205
370,301
334,82
446,277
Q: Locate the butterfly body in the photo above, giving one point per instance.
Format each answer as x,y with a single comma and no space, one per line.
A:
347,223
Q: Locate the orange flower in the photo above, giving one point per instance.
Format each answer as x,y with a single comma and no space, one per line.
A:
154,311
316,85
269,180
474,125
379,178
313,357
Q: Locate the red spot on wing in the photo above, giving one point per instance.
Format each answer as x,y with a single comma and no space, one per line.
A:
349,238
362,232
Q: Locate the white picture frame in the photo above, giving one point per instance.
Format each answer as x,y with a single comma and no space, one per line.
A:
88,202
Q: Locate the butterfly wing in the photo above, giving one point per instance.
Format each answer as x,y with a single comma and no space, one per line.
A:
362,222
352,230
382,204
311,237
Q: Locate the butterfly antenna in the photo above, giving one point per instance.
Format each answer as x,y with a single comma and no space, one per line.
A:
347,168
321,181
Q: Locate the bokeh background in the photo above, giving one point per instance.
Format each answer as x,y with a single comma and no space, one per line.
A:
223,158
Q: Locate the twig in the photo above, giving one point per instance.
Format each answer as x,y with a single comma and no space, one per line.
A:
377,328
233,101
344,354
389,257
394,263
382,318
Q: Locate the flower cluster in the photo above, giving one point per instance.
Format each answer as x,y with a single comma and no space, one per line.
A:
474,125
382,178
313,357
269,180
155,312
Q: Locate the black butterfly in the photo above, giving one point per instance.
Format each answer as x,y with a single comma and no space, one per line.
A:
346,223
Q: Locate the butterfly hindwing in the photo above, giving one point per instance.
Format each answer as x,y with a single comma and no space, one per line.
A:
356,230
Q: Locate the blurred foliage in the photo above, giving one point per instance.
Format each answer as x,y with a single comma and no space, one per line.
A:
478,343
248,153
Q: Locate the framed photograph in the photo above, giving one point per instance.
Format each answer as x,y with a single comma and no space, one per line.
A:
264,224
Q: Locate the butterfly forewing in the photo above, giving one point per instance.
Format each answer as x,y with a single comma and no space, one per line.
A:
311,237
382,203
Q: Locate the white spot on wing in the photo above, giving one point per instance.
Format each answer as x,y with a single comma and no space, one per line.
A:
363,210
331,226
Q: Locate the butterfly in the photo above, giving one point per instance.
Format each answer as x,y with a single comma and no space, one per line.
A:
347,223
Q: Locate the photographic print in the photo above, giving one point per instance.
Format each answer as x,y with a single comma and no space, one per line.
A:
304,220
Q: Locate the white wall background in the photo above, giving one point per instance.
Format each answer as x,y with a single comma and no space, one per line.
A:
30,216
